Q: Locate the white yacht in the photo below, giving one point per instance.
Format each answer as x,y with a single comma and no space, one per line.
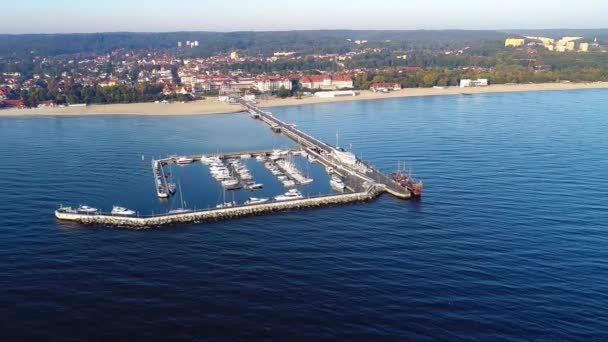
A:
85,209
226,205
230,182
255,186
122,211
305,181
336,183
292,194
288,183
184,160
255,200
260,158
207,160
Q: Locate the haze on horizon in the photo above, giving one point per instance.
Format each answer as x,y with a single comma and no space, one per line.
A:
75,16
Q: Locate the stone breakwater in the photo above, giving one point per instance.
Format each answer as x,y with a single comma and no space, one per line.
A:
210,215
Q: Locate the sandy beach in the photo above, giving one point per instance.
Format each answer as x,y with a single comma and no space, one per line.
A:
212,106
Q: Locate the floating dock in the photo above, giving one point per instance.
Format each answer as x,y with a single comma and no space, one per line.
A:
160,180
365,181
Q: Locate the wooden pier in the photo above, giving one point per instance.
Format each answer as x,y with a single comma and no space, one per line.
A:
357,172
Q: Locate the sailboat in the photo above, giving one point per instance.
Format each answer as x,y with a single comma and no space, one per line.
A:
226,204
182,209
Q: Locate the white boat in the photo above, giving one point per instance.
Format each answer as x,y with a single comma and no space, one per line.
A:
336,183
226,205
288,183
122,211
208,160
260,158
255,200
184,160
245,156
181,200
171,188
179,211
85,209
306,181
255,186
292,194
230,182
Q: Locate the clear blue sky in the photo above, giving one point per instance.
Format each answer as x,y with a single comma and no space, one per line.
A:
34,16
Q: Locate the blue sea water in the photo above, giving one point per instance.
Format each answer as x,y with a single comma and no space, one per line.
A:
508,242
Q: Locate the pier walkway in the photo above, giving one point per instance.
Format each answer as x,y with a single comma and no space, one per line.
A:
358,173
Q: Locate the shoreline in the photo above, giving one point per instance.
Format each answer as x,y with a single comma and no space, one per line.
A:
212,106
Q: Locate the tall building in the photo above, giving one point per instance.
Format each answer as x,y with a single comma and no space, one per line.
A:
584,47
234,55
179,44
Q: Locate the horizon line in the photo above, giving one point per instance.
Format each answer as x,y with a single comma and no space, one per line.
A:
503,30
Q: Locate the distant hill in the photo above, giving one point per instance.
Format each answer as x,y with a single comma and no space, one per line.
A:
323,41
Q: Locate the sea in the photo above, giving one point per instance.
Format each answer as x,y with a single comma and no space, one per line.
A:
508,242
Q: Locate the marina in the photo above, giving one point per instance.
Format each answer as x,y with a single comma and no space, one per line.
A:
350,179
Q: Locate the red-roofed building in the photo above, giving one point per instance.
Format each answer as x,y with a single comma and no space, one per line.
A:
272,83
329,82
13,103
184,90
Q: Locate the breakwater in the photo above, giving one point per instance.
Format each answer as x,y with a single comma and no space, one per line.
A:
198,216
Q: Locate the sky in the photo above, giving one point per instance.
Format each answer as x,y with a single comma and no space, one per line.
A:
72,16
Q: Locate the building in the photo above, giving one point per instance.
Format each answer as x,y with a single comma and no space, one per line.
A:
584,47
249,96
481,82
514,42
328,82
234,55
466,83
272,83
13,103
184,90
385,87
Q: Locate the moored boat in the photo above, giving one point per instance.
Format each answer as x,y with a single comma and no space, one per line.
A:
408,181
122,211
292,194
184,160
255,200
337,183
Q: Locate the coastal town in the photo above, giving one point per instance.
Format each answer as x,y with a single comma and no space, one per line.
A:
175,74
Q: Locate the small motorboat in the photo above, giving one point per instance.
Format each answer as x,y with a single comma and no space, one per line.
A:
122,211
255,200
85,209
184,160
